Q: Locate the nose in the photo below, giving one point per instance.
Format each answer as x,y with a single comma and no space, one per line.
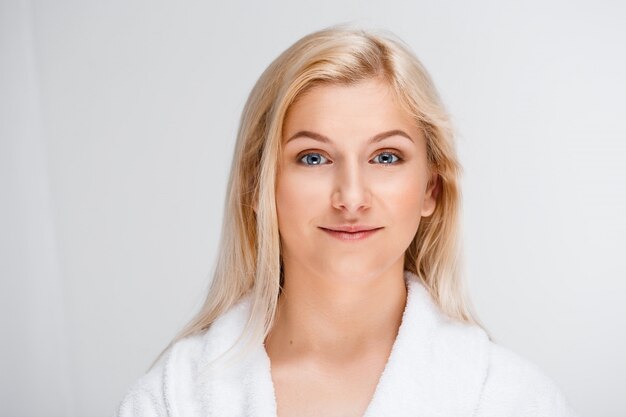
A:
351,193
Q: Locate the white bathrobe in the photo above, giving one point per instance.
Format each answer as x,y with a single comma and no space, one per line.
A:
437,368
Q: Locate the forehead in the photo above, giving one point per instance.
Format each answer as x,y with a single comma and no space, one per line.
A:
362,109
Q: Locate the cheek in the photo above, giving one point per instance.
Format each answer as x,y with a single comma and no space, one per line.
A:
403,197
406,185
298,199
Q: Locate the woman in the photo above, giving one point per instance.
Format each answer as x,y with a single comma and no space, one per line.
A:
338,278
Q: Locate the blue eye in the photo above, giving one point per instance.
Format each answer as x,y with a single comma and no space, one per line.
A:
389,159
314,158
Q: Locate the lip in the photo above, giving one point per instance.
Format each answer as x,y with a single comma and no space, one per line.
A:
351,236
351,228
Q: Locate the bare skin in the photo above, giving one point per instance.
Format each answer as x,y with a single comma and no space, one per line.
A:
334,371
342,301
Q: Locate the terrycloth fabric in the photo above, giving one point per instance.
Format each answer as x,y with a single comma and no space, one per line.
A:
437,368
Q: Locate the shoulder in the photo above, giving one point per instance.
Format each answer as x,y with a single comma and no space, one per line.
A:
182,382
515,386
144,398
152,394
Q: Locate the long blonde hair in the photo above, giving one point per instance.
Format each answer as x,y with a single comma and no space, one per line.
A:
249,257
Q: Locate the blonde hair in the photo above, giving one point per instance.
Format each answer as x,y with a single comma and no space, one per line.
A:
249,258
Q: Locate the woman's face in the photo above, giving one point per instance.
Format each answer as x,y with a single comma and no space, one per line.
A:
351,156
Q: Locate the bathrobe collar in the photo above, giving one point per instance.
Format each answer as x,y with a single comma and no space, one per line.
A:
437,366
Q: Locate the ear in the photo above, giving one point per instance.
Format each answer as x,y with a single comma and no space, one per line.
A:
430,196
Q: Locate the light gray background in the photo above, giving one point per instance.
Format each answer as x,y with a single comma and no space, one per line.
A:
118,122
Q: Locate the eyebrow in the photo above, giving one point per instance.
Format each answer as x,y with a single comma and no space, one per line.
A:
325,139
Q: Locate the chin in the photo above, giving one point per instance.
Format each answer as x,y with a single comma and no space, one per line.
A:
349,268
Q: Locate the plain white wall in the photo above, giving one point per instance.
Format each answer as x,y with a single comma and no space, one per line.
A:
118,126
34,367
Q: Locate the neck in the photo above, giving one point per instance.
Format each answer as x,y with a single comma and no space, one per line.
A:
335,321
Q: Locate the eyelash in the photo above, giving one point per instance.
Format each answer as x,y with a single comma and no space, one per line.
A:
301,156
